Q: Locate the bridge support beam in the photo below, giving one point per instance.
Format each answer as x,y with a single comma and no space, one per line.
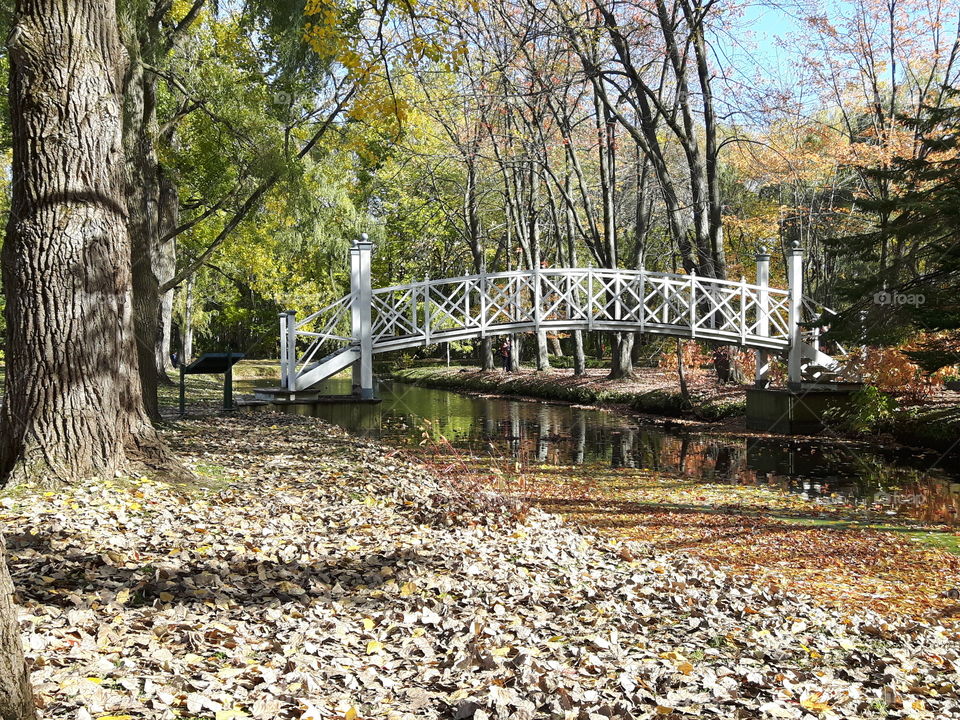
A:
795,299
362,326
762,374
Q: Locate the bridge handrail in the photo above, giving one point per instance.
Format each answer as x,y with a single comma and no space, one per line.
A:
326,333
343,301
573,271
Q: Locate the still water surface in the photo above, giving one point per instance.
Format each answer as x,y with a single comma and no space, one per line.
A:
923,485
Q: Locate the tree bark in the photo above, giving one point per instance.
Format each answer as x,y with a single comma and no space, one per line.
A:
166,267
579,357
487,363
621,361
143,201
555,345
73,404
682,375
16,695
186,355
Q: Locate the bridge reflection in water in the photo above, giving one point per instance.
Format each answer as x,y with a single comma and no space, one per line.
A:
562,435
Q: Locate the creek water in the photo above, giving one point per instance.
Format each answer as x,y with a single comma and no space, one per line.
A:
877,478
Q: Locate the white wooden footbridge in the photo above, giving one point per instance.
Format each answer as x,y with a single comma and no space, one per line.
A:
367,321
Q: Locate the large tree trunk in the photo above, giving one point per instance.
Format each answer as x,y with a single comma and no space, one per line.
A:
73,404
167,266
579,357
143,199
186,354
621,361
487,363
16,696
555,345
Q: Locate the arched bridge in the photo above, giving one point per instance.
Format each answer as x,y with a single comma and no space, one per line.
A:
368,321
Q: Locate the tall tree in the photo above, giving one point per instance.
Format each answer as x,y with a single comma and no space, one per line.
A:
73,404
16,697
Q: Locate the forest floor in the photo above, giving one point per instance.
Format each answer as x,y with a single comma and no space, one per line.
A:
842,555
311,574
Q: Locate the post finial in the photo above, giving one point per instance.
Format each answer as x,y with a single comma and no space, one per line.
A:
794,244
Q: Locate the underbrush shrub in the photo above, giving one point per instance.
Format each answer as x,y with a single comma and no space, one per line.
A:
720,409
660,402
937,427
869,411
890,370
565,362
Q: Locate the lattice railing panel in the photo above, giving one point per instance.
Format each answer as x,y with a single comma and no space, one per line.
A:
476,305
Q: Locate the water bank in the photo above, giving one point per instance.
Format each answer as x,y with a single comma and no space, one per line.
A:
935,424
652,391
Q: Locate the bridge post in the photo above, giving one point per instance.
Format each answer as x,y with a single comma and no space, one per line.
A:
692,310
795,285
590,296
290,338
284,346
537,310
361,312
483,302
762,374
355,315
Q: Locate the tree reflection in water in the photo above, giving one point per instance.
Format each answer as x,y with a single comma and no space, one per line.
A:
878,478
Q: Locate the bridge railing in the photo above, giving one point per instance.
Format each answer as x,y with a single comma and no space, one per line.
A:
578,298
475,306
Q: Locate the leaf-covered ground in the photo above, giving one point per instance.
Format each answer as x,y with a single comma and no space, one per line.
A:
887,563
315,575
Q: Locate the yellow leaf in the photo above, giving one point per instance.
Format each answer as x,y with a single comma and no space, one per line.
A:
815,702
166,597
192,659
95,680
407,589
500,652
664,710
374,646
230,714
685,667
115,717
368,624
350,714
123,596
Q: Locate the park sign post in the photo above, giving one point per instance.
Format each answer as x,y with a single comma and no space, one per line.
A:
211,364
